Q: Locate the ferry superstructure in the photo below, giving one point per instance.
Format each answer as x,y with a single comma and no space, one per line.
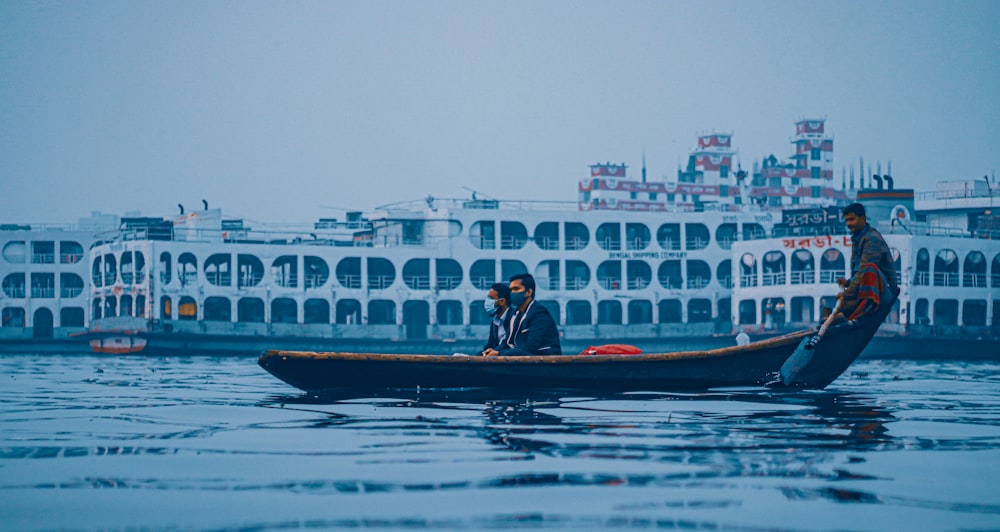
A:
699,256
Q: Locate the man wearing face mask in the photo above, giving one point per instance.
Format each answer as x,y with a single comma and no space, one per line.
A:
532,329
497,308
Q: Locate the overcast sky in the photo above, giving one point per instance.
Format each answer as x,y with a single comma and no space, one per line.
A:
287,111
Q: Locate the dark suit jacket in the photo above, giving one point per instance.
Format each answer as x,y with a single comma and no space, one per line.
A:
535,334
494,341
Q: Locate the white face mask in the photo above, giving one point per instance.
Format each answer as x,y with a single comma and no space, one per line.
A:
490,305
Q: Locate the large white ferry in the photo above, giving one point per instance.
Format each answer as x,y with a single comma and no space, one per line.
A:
654,263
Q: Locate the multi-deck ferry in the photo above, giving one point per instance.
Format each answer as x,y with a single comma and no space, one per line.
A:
654,263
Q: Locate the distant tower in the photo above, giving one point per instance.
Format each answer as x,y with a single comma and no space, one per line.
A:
807,180
713,159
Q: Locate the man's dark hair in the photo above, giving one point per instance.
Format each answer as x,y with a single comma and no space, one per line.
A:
856,209
526,280
502,290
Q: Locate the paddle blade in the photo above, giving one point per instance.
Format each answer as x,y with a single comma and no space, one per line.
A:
798,360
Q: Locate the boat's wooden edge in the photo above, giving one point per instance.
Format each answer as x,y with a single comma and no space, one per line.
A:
559,359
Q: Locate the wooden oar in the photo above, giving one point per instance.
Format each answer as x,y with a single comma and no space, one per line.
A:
804,352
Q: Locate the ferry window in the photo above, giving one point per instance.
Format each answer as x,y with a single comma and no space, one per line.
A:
609,312
513,235
477,314
71,317
752,231
316,272
510,268
814,154
348,312
126,267
946,268
250,310
832,266
774,268
578,313
383,312
140,306
13,285
483,273
547,275
699,310
448,274
284,310
725,235
110,269
110,307
381,273
609,236
96,308
125,307
636,236
974,312
577,275
747,312
43,285
920,312
748,270
699,274
638,274
724,273
417,274
946,312
316,310
816,192
552,307
547,235
43,252
697,236
218,270
218,309
668,236
285,271
13,317
725,309
15,252
670,311
640,311
449,312
802,310
95,273
974,270
349,272
669,274
140,266
165,308
187,269
995,272
814,172
773,310
187,309
70,252
249,270
165,273
577,235
482,234
609,275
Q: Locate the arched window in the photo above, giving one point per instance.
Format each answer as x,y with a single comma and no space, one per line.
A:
699,310
578,313
447,274
832,266
284,310
669,275
670,311
317,272
668,236
250,310
547,235
638,274
945,269
636,236
381,274
748,271
609,312
699,274
349,272
577,235
698,236
316,311
218,308
640,311
483,273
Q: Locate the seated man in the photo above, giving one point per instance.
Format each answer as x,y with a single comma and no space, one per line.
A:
496,304
873,276
533,331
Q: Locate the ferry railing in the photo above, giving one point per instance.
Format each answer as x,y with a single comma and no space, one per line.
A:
43,291
16,292
43,258
549,283
109,278
287,281
773,278
638,283
974,280
127,277
68,292
576,283
726,282
831,276
381,282
725,243
187,278
671,283
922,279
575,243
349,281
510,242
448,282
547,243
802,277
610,283
696,283
748,281
610,244
251,279
696,243
636,243
314,280
945,279
70,258
670,244
219,278
417,282
482,283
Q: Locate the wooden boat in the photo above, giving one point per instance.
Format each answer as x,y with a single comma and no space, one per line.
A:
756,364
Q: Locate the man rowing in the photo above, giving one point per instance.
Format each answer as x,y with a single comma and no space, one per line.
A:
873,276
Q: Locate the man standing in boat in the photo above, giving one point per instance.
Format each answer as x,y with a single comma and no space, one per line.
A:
497,307
873,276
532,329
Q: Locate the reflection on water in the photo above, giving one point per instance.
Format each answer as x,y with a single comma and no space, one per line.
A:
133,442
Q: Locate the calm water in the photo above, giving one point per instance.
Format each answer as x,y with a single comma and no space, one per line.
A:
101,442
